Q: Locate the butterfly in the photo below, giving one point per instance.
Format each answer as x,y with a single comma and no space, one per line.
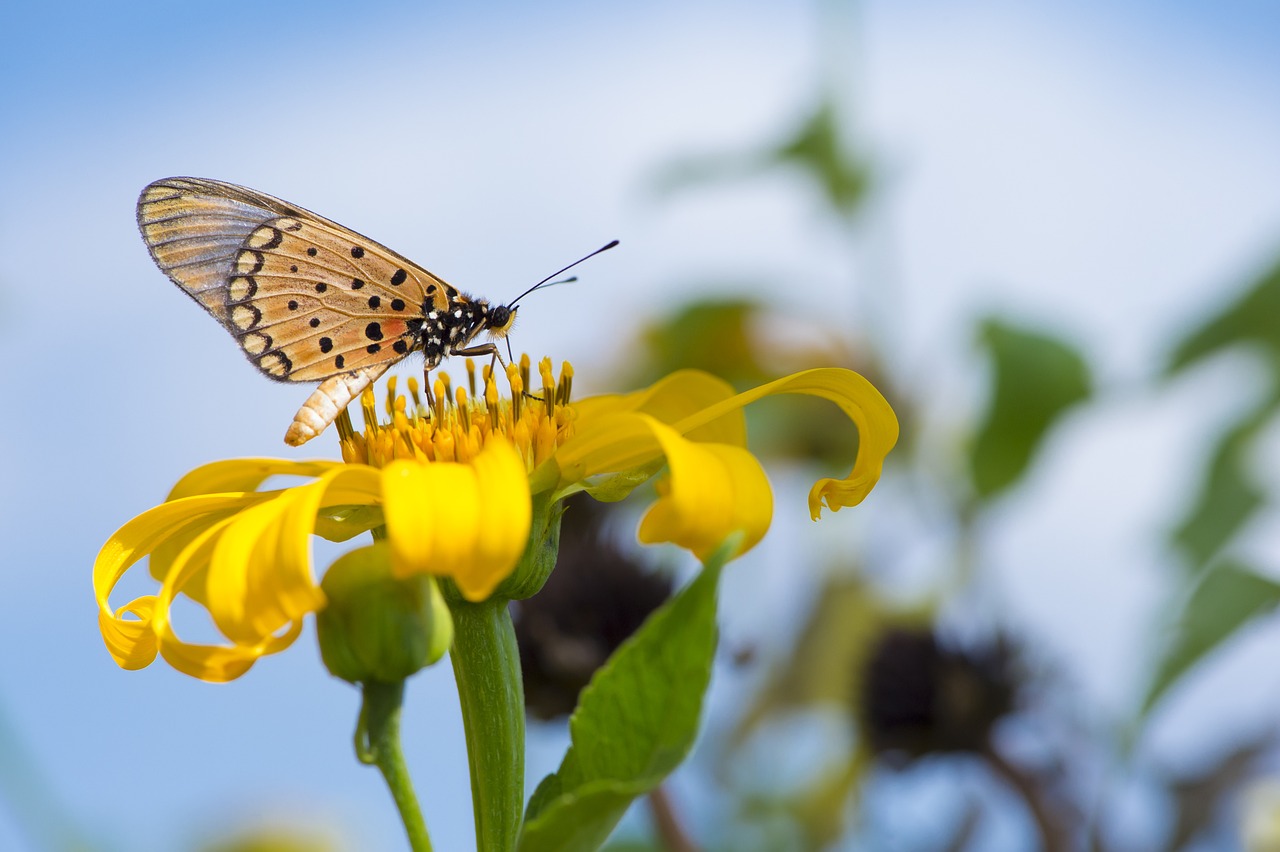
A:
306,298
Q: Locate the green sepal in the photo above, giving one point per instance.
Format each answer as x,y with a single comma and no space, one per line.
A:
537,561
342,523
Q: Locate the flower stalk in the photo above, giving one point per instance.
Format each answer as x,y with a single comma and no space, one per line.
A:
486,666
377,742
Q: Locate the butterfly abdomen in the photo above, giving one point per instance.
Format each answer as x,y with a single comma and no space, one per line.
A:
326,401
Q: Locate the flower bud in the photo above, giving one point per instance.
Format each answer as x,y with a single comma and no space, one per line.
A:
377,627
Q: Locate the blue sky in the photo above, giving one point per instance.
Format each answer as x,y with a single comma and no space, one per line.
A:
1110,172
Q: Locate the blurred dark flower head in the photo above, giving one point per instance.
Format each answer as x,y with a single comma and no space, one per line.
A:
919,697
597,596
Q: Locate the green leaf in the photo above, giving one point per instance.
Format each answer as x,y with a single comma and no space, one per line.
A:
819,149
635,722
1036,379
1230,493
1251,319
715,335
1228,496
1228,597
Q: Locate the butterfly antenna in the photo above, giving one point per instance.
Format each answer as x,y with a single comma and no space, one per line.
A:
544,281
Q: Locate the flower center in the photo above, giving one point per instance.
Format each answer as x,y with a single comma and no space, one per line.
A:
453,424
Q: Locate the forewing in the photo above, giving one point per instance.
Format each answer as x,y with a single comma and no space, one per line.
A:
305,297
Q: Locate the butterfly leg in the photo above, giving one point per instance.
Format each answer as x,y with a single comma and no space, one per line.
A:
426,387
482,349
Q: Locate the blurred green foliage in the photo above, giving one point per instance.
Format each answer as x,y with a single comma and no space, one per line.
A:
1036,378
1227,593
729,338
274,839
818,148
1230,493
1227,597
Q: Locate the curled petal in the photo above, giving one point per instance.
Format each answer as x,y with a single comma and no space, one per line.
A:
671,399
858,399
260,576
128,631
466,521
213,663
609,440
712,492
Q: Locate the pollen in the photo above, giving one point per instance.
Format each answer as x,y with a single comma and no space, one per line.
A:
460,419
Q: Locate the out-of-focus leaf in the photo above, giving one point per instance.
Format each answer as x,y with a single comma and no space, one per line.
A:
635,722
1036,379
1227,597
825,665
275,839
823,670
724,337
712,335
1228,496
1253,318
819,149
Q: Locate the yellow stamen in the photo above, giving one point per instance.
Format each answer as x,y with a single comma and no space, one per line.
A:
441,400
458,424
413,391
391,395
566,383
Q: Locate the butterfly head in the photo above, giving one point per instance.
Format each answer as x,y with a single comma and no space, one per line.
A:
499,319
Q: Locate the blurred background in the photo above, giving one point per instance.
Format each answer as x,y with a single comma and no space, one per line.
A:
1050,234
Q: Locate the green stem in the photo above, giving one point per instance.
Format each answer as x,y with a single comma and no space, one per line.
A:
486,665
378,742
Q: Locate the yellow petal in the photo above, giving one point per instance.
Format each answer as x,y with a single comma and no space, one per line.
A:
466,521
128,631
712,492
608,438
671,399
260,575
858,399
243,475
214,663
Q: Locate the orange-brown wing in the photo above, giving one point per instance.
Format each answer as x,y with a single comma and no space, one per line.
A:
305,298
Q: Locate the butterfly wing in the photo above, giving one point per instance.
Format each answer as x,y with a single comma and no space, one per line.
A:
306,298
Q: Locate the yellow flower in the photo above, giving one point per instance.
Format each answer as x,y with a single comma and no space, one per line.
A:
456,486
